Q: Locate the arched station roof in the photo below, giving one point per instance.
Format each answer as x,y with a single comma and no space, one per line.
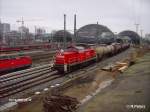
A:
58,36
92,33
135,38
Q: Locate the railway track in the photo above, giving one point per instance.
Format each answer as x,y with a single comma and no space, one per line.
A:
19,81
42,58
23,73
14,83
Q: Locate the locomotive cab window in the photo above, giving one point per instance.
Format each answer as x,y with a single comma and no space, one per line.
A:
20,55
71,49
80,48
75,49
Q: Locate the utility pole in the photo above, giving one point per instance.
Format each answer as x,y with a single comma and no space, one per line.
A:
22,24
115,36
141,36
141,33
51,39
75,36
137,27
35,29
64,31
4,37
97,35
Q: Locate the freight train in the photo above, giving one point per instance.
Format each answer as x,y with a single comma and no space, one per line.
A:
13,62
79,55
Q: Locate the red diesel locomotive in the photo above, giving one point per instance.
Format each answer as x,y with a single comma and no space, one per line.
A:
12,62
73,56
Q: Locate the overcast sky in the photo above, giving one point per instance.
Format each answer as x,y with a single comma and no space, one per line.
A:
118,15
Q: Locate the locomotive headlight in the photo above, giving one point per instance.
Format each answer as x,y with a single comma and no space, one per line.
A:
62,51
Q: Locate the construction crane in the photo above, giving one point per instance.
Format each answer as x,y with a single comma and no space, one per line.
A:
22,23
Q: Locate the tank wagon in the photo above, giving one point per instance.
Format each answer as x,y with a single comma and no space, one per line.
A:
12,62
76,56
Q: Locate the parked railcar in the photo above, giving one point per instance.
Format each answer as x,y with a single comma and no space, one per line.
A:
24,47
104,50
12,62
7,49
117,48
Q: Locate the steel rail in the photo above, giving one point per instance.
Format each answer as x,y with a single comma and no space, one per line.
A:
28,84
23,71
17,76
22,79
